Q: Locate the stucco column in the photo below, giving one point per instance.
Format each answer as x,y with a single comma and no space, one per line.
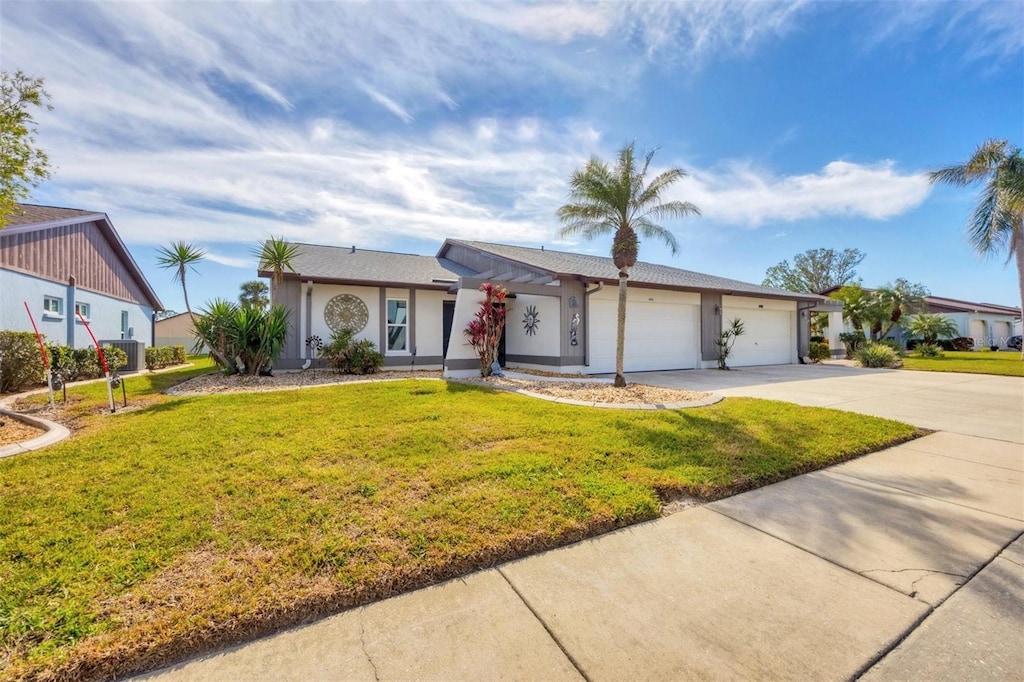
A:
835,328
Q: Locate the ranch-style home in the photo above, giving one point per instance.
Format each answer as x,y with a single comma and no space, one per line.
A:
989,324
560,314
65,261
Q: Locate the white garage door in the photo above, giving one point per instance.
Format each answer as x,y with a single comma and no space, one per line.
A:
769,338
1000,333
978,333
658,336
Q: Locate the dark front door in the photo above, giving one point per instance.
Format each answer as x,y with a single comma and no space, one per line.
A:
447,319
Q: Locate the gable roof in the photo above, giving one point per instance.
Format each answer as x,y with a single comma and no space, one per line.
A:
941,304
32,218
349,265
600,268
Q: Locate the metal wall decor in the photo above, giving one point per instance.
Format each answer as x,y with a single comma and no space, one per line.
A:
346,311
531,320
574,326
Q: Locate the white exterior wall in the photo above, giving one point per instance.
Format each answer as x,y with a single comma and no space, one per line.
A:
430,323
322,293
547,339
104,313
467,302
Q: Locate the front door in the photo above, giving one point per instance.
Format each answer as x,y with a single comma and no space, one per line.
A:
447,319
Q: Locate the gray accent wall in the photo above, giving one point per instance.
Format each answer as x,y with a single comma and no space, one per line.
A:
572,289
289,294
483,262
710,324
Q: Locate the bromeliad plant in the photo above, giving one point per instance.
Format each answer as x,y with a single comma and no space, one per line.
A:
485,329
241,339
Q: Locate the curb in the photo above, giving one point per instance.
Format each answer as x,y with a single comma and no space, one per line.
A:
55,433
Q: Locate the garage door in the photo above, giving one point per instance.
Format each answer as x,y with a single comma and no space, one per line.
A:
978,333
1000,333
658,336
769,338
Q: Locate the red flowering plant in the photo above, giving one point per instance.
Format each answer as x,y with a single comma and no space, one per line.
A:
484,330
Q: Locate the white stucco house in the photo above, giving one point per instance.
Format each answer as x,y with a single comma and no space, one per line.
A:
989,324
561,311
62,261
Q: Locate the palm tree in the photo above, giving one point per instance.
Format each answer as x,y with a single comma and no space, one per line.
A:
181,256
276,255
997,222
254,293
932,327
618,200
899,299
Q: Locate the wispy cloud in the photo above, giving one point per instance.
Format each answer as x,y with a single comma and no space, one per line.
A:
388,103
231,261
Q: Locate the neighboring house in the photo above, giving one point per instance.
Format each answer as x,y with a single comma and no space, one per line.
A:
561,313
62,261
987,323
175,330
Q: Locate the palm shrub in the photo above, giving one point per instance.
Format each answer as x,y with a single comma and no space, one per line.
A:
726,339
878,355
929,350
932,327
347,355
853,342
242,339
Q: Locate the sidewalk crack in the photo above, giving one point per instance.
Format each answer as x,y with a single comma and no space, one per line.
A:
362,642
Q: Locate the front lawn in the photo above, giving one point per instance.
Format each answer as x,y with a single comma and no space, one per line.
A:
971,362
195,522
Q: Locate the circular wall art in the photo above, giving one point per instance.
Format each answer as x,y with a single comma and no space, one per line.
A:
531,320
346,311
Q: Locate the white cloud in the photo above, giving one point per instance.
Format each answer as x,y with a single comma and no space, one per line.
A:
231,261
388,103
740,194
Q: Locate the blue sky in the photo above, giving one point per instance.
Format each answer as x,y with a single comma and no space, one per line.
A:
394,125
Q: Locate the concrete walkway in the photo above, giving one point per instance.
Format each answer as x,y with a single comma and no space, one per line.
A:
905,564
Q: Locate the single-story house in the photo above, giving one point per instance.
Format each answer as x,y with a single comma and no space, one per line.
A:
561,312
988,324
62,261
175,330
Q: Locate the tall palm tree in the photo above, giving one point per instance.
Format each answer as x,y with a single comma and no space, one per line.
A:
276,255
181,256
899,299
620,201
997,222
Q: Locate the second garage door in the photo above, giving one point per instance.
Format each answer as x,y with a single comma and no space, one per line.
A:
770,337
658,336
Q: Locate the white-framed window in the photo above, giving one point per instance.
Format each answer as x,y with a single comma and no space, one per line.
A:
82,308
398,325
53,306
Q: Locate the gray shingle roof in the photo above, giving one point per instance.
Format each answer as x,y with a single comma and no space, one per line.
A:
602,268
344,264
32,214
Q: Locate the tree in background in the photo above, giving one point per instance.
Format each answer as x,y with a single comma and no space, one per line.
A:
276,256
181,256
815,270
997,223
254,294
164,314
620,201
22,164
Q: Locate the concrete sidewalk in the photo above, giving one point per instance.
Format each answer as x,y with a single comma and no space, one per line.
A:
911,556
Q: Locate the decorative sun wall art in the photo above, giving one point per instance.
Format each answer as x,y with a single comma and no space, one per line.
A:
346,311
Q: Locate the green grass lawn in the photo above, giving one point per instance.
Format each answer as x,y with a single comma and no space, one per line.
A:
194,522
973,362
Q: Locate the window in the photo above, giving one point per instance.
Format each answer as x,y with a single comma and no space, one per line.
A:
398,324
53,306
83,309
124,324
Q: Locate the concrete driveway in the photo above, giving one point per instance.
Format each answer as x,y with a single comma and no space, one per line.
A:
970,404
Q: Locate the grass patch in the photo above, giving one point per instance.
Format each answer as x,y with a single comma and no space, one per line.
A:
972,362
195,522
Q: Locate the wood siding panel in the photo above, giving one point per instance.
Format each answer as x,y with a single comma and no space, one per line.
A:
80,251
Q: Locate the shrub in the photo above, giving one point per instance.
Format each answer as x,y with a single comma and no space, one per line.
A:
819,351
853,342
485,329
892,343
960,343
75,364
878,355
242,338
164,356
20,362
817,339
929,350
348,356
726,339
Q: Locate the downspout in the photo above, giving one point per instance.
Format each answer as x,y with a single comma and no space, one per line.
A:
586,320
